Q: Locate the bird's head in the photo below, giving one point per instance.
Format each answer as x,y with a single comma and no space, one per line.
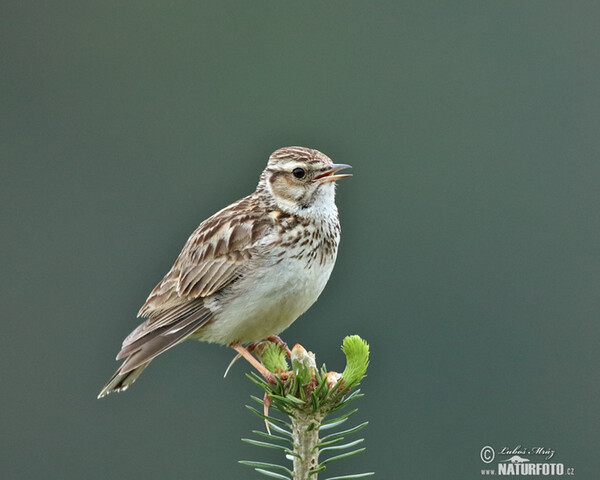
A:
301,181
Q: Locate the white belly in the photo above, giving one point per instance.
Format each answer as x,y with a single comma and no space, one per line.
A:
267,304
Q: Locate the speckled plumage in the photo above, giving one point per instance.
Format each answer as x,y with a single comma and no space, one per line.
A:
248,271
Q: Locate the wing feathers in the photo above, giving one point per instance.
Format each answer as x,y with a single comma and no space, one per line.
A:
160,339
215,254
159,319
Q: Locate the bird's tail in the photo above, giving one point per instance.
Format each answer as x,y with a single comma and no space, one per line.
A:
152,338
121,381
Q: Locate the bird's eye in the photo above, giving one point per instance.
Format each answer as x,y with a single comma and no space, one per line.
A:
298,172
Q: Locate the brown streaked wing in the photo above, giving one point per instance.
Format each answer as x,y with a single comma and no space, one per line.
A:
162,296
214,256
218,252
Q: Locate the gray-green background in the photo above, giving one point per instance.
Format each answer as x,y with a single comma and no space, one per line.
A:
470,257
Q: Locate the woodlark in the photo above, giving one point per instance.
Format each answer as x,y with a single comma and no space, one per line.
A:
248,271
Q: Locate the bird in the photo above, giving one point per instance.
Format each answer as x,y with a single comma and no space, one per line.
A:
249,271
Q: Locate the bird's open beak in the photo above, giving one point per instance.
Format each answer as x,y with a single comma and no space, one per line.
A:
328,175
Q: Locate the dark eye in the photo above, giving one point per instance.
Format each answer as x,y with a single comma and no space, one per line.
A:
298,172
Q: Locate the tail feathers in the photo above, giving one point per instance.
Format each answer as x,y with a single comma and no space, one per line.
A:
121,381
140,352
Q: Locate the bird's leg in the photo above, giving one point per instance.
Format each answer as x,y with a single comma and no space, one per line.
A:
281,343
268,376
253,346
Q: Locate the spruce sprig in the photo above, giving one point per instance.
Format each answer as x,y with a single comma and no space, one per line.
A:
308,395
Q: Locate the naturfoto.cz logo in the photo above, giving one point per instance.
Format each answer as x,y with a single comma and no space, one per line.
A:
515,461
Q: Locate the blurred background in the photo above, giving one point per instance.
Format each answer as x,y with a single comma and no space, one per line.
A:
470,255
